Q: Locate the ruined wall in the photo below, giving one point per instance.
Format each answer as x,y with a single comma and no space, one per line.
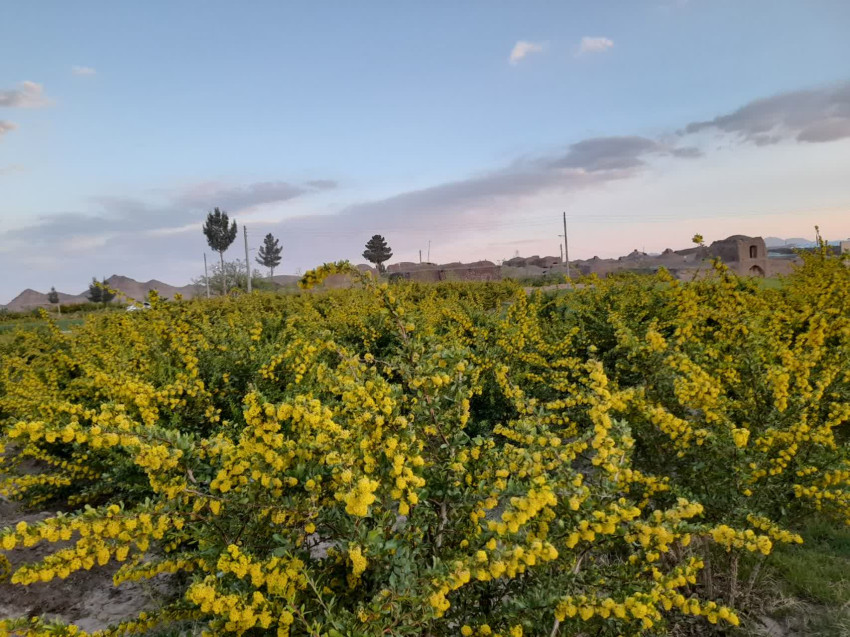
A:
483,271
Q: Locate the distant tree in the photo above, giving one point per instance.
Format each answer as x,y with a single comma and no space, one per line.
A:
236,279
377,251
269,254
106,295
95,294
53,298
220,233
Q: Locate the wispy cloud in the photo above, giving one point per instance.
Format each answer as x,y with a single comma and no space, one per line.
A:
214,193
813,116
162,231
27,95
11,168
440,209
178,210
83,70
523,49
5,127
594,45
618,153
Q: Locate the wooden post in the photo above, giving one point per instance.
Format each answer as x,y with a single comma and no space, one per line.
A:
247,262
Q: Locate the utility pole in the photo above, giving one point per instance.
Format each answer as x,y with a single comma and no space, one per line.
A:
206,276
561,250
566,247
420,257
429,251
247,262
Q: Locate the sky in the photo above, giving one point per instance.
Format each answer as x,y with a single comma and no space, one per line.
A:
463,128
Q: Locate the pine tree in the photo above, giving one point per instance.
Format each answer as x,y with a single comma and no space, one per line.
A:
106,295
377,251
53,299
269,254
220,233
95,294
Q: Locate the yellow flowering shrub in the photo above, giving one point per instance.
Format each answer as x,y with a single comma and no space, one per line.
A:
432,460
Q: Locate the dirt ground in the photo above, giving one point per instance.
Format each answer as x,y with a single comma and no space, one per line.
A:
86,598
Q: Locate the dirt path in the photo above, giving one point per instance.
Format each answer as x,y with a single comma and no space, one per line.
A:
86,598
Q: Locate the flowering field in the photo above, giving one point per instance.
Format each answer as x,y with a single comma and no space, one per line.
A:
435,460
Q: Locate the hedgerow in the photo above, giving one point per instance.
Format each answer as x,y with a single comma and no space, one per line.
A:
436,460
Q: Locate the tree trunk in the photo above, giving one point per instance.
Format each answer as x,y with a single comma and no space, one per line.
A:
271,274
223,274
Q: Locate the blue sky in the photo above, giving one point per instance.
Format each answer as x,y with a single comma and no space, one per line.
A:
324,123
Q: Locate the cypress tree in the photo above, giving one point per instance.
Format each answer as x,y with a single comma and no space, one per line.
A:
53,299
377,251
220,233
106,295
95,294
269,254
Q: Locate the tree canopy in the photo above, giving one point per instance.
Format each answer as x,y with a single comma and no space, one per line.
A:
377,251
99,292
220,233
219,230
95,294
269,253
106,295
53,296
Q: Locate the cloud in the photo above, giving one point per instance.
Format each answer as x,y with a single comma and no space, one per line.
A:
623,153
11,168
177,212
687,152
159,235
208,194
322,184
148,232
83,70
6,126
27,95
522,49
813,116
594,45
826,130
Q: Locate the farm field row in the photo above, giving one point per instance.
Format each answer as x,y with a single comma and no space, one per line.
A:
639,456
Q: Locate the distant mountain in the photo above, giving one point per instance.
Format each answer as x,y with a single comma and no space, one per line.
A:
795,242
799,242
31,299
138,291
285,279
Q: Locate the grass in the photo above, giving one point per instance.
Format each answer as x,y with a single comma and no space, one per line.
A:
818,570
771,283
814,579
28,324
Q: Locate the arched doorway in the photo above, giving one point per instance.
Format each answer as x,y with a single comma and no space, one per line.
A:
756,271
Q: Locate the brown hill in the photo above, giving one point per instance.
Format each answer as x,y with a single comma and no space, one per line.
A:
139,290
31,299
285,279
27,300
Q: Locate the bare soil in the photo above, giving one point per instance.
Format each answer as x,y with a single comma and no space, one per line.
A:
86,598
